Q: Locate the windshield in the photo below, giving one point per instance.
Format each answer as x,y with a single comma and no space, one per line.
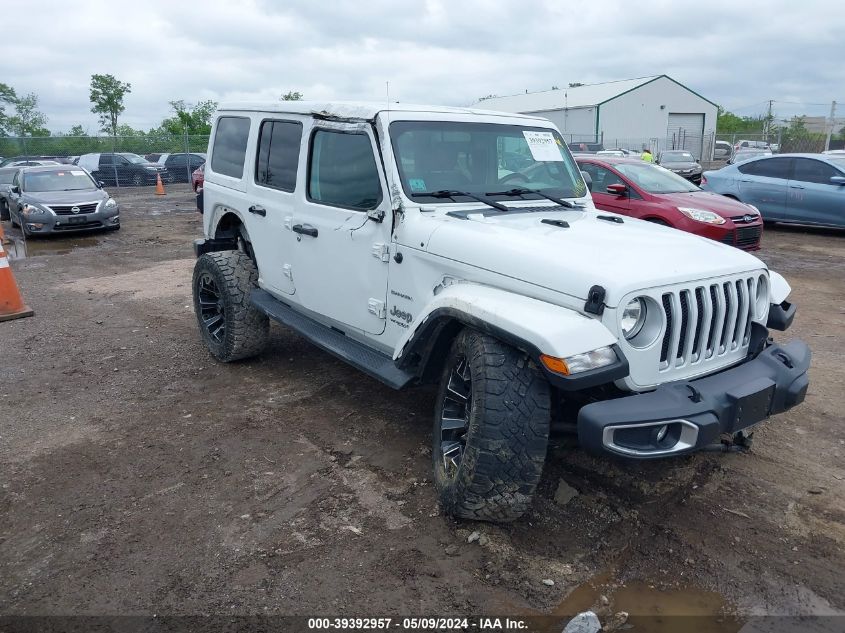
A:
655,179
481,158
68,180
134,158
677,157
838,162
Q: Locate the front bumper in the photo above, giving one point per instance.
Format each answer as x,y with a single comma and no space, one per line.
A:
43,223
685,416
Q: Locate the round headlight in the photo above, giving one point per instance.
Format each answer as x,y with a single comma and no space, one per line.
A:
633,318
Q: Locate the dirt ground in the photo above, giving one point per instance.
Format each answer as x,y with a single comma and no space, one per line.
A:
139,476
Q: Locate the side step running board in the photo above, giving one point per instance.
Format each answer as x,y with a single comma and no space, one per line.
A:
369,361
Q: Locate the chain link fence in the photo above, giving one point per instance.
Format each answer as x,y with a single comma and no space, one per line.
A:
176,152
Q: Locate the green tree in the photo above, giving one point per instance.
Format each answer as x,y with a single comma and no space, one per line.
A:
107,94
730,123
7,97
28,120
196,119
292,95
77,130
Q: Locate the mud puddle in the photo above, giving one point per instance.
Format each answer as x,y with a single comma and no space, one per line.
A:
21,249
650,608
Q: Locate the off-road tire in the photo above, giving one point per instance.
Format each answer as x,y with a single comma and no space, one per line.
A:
245,328
507,431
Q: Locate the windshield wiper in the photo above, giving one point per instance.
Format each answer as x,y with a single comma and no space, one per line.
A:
451,193
519,191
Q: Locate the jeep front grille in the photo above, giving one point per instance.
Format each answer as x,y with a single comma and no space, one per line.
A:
707,322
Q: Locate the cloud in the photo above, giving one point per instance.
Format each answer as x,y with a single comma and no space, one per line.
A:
434,51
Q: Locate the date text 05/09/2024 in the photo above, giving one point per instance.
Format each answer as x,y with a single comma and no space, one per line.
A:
419,624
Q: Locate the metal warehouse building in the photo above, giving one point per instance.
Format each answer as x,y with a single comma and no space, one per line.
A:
656,112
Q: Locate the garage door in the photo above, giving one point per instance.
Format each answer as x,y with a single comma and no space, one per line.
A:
685,131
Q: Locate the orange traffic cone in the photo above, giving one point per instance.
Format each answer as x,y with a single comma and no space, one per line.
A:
159,186
11,304
2,235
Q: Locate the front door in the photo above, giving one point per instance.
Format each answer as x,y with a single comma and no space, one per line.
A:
340,255
812,197
602,178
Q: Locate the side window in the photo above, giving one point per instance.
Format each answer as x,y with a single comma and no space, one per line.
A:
602,177
175,160
106,160
229,150
768,167
278,154
809,170
342,171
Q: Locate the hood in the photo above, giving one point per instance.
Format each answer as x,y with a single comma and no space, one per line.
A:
681,165
709,201
65,197
621,257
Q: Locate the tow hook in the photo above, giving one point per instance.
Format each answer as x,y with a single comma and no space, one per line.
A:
739,442
786,360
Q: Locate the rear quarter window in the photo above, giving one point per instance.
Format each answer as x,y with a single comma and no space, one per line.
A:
228,152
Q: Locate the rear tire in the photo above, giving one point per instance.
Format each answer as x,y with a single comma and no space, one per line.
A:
230,325
491,429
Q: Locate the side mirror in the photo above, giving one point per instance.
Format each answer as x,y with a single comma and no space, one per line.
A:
100,184
588,180
617,189
15,189
837,180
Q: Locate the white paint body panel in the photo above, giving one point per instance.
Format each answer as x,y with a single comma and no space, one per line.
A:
510,269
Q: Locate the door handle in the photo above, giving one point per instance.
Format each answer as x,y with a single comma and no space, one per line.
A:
795,187
258,210
305,229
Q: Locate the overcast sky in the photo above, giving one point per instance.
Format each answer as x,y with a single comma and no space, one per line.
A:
738,54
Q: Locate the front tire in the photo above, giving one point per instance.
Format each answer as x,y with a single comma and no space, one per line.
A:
137,180
491,429
5,212
230,325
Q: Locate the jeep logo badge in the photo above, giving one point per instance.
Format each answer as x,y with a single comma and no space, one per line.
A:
74,210
400,314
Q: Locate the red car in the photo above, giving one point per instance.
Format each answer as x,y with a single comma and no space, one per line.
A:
641,190
198,177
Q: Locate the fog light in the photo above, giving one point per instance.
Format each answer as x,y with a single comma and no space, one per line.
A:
35,227
661,433
115,219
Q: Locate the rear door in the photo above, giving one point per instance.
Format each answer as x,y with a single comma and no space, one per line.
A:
340,256
764,183
812,197
273,191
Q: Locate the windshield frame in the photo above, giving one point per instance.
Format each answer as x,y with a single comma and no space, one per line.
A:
395,130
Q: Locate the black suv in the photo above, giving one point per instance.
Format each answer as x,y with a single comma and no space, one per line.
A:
123,168
180,166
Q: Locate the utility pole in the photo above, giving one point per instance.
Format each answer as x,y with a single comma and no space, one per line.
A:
832,125
769,120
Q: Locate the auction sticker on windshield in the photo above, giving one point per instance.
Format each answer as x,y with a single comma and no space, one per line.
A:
543,146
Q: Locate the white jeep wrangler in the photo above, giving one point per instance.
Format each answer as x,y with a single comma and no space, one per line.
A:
428,244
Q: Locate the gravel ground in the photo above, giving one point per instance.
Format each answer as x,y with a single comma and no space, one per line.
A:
140,476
